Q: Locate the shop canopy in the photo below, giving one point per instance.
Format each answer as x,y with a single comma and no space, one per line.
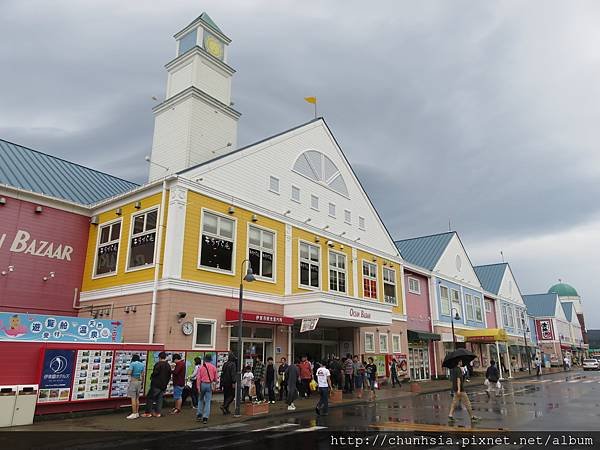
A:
484,335
420,336
232,315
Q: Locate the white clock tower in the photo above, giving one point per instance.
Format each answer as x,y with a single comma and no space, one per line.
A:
195,122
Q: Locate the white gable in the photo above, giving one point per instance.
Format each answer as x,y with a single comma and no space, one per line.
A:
454,263
246,175
509,288
560,313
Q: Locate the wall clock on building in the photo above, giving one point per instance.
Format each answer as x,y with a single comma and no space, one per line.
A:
187,328
213,46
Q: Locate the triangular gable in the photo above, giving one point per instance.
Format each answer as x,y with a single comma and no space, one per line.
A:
455,263
491,276
424,251
559,311
509,288
568,310
245,173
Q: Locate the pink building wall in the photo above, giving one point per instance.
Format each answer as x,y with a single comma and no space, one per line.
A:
491,316
418,305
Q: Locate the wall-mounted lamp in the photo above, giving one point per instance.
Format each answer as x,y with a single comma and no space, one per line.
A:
8,270
50,275
341,247
38,209
317,239
342,234
307,220
385,263
2,201
94,220
118,211
374,259
330,244
326,227
254,218
180,316
357,239
231,210
287,212
199,179
137,205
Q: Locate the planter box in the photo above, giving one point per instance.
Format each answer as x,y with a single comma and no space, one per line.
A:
336,396
254,409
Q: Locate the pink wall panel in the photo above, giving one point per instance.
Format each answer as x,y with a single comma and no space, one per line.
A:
417,306
53,230
491,316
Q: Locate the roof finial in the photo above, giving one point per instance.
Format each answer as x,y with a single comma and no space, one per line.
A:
449,225
502,255
559,280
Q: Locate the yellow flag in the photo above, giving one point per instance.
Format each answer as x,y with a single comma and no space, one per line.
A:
312,100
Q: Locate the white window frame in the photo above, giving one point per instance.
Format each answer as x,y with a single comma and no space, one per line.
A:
213,338
295,189
370,278
336,269
131,222
108,224
518,325
234,240
411,289
504,311
348,216
393,283
469,308
394,349
261,249
361,223
488,305
314,198
511,316
331,208
319,264
456,303
273,179
383,338
478,307
372,335
442,300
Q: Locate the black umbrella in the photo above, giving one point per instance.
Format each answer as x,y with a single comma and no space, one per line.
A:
462,354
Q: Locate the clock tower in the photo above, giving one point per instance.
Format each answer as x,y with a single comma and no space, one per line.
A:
196,121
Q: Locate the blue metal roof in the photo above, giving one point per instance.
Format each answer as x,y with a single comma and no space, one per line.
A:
28,169
541,305
568,309
424,251
491,276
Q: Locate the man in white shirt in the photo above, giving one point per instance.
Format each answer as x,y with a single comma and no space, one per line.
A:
324,384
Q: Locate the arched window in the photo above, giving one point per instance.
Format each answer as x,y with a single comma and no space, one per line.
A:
319,168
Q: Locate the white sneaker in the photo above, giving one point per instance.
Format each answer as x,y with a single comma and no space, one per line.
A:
132,416
291,408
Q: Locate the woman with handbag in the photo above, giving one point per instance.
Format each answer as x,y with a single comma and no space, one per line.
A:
207,376
492,379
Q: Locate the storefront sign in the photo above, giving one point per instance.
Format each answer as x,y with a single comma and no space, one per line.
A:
545,330
22,242
57,373
359,313
447,337
36,327
273,319
308,324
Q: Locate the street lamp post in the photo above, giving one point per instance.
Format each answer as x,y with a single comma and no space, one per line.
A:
452,319
525,331
249,277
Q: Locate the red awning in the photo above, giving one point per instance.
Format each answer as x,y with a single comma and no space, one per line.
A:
565,347
258,317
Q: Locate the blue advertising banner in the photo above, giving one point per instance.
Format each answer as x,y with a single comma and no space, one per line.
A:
37,327
57,376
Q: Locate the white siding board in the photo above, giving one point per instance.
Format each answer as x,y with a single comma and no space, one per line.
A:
446,266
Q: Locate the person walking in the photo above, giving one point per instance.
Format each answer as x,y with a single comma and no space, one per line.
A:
324,385
460,396
305,376
292,375
394,373
159,379
228,382
197,364
207,376
178,376
538,366
371,374
258,370
492,378
283,365
359,376
134,388
247,382
348,371
270,379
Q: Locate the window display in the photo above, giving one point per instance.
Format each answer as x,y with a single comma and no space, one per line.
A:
91,379
120,378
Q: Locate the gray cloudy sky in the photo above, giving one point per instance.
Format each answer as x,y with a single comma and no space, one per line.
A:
482,112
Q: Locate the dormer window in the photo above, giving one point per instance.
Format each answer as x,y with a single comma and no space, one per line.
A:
188,41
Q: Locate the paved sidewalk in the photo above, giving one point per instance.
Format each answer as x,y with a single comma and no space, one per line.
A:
115,420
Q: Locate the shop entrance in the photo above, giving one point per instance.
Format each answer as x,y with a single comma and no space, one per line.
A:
322,343
256,340
418,361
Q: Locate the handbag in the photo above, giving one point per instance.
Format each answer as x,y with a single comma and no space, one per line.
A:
375,385
498,384
252,390
486,382
313,385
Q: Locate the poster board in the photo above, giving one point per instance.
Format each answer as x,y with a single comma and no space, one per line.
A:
93,370
57,376
120,375
153,359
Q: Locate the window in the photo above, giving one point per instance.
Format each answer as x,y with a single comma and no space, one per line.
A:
296,194
347,216
478,310
108,248
369,280
504,315
261,248
414,286
188,41
361,222
455,297
274,184
488,306
309,265
314,202
389,286
395,343
320,169
469,307
204,333
332,209
444,301
337,272
143,237
511,317
369,342
216,250
518,317
383,343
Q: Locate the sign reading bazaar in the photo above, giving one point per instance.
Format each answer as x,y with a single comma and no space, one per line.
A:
37,327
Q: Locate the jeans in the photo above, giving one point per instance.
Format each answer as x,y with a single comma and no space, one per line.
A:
395,380
154,400
271,389
323,405
348,383
194,394
204,400
305,387
259,390
228,395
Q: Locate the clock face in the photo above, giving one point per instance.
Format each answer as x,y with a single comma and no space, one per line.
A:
187,328
213,46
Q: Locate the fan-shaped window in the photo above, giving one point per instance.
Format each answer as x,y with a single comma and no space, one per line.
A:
318,167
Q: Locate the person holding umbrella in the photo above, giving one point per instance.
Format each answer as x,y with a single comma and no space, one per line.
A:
455,362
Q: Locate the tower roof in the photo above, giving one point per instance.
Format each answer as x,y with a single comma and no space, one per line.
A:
208,21
563,290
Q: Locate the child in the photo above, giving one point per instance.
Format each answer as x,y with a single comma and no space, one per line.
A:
247,380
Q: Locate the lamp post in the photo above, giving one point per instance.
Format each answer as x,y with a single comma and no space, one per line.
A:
525,331
249,277
452,319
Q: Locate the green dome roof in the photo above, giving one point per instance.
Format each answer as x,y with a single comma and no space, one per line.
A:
563,290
